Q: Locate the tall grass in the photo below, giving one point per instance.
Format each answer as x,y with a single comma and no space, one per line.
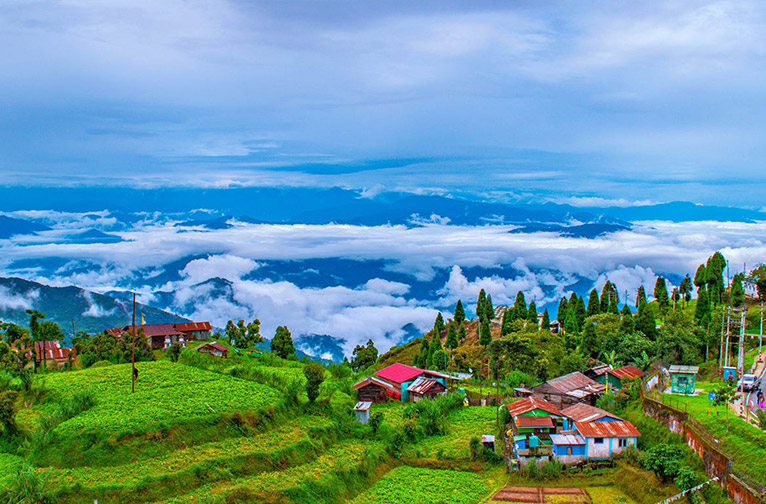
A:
28,487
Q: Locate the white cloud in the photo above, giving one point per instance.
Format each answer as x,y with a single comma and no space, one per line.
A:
218,266
95,309
543,265
375,311
17,301
595,201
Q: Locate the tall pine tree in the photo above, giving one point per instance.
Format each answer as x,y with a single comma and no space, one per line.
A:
606,292
461,332
737,290
702,310
489,310
700,277
661,294
438,325
545,324
626,323
561,313
520,307
594,305
480,304
640,298
459,312
580,313
532,315
485,337
451,338
505,326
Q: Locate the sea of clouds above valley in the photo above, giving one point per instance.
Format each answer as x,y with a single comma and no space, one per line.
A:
544,265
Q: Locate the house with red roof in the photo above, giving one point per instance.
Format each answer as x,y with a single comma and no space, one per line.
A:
400,377
615,378
606,439
164,335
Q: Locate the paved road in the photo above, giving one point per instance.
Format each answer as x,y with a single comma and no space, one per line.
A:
751,398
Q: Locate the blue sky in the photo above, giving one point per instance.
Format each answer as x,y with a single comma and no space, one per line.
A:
651,100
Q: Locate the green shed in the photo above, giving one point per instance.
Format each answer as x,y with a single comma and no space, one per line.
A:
682,379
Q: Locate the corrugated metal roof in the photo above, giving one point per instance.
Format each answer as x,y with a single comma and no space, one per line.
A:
628,372
215,345
53,350
154,330
567,439
399,373
362,406
372,380
622,428
421,385
531,403
193,326
439,375
582,412
533,421
677,368
600,369
487,438
576,381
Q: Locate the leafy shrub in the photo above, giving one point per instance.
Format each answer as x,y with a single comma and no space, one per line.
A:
28,487
174,352
475,446
314,377
376,419
664,461
517,378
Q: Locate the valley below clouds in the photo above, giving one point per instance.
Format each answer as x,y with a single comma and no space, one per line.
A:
352,282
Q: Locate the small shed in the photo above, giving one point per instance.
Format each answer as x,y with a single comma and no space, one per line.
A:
615,378
488,440
373,389
214,348
425,387
568,447
682,379
362,411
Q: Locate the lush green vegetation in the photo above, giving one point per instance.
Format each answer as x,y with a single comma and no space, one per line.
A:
405,485
166,393
744,442
461,425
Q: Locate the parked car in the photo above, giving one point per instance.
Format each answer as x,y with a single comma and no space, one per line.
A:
747,382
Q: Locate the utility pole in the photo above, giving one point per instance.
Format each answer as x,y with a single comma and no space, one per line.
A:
133,349
73,331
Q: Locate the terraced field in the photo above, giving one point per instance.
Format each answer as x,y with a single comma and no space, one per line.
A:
462,424
405,485
166,393
292,443
317,481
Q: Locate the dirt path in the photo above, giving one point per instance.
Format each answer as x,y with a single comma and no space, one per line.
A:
542,495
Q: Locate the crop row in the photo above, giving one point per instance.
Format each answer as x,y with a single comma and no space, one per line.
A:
409,485
165,393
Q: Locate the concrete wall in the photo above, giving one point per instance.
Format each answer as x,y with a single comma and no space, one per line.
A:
599,450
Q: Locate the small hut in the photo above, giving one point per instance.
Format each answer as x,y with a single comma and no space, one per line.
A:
373,389
362,411
214,348
425,387
682,379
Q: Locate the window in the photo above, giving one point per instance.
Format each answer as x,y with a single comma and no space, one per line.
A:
623,443
598,440
569,450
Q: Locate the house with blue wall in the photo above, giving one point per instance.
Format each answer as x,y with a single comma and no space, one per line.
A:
401,376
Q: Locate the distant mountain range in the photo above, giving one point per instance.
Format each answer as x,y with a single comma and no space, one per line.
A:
90,311
321,206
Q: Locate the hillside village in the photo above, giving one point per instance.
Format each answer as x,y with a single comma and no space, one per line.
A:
600,404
